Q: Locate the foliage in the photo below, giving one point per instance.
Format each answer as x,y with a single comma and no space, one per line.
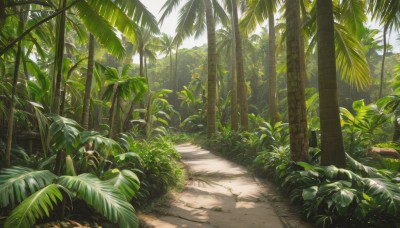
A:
367,127
160,170
44,193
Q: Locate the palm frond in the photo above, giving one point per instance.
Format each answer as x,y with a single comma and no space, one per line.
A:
167,8
104,33
257,12
17,183
187,18
103,197
37,206
350,57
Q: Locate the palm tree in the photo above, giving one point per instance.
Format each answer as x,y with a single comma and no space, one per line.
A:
257,11
332,150
195,17
227,41
166,46
295,84
241,82
88,86
388,13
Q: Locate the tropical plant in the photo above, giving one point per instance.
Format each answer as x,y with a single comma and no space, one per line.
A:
40,191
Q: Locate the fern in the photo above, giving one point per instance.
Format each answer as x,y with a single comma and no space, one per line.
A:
17,183
34,207
103,197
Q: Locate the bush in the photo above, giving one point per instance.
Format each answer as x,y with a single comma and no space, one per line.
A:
160,169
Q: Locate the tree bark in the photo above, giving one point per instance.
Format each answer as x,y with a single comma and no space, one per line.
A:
212,71
234,87
295,86
58,62
88,86
272,97
241,81
113,111
332,150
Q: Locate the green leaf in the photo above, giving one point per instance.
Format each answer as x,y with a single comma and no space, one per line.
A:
103,197
34,207
305,165
310,193
125,181
17,183
343,197
331,171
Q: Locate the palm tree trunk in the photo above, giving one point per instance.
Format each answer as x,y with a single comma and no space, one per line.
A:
171,80
234,87
241,81
295,87
272,97
383,61
332,150
141,63
88,86
58,62
176,86
12,107
212,71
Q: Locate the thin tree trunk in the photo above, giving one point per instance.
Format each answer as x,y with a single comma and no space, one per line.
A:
241,81
88,86
141,63
212,71
272,98
383,61
176,86
59,59
396,134
113,111
295,87
332,150
170,71
12,107
234,87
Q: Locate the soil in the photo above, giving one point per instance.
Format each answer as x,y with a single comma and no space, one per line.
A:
219,193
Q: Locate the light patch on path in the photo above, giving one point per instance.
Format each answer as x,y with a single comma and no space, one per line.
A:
219,193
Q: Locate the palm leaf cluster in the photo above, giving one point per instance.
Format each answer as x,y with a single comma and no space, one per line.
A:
39,192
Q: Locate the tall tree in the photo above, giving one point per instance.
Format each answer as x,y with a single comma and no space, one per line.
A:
272,89
295,84
195,17
88,85
332,150
241,81
257,12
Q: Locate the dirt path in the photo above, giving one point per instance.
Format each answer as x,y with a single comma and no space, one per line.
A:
219,193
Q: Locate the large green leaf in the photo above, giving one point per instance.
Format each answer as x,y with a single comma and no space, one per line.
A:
64,134
17,183
34,207
125,181
343,197
103,197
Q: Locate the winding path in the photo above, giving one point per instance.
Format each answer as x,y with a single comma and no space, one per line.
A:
219,193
